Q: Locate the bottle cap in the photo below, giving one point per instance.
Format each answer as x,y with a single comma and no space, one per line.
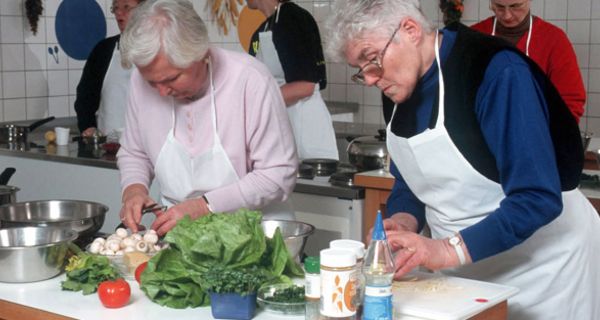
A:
338,258
357,246
378,231
312,264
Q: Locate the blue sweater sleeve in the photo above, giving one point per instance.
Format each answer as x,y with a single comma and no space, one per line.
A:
513,116
401,199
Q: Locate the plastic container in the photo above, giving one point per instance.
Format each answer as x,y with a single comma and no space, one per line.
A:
338,281
285,308
378,271
358,247
312,276
232,305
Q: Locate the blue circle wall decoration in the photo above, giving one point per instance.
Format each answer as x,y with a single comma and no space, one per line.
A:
79,25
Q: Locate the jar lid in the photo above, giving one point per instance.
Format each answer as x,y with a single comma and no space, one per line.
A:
312,264
338,258
356,246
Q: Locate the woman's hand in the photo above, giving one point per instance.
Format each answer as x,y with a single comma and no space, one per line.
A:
135,197
400,221
165,221
88,132
412,250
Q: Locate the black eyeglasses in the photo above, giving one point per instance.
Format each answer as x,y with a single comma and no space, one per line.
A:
373,68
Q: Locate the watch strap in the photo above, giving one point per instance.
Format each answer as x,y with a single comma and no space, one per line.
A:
455,241
207,204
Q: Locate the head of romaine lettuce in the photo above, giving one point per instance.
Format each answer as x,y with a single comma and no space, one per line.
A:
226,240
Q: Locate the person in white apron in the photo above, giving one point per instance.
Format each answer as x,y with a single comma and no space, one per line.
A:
545,43
182,177
104,84
555,266
309,116
209,125
113,100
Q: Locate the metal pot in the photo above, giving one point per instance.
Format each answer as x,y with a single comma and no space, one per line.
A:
322,167
8,194
369,152
12,133
33,254
85,217
305,171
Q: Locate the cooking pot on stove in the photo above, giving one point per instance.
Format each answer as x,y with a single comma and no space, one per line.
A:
8,194
369,152
12,133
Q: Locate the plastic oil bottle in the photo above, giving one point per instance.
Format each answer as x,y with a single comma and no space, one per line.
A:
378,272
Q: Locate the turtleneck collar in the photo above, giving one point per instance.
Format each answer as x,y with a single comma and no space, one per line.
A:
513,34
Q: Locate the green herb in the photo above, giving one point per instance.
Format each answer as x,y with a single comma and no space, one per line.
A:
291,294
86,271
225,280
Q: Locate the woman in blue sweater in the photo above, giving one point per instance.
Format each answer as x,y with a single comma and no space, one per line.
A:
485,153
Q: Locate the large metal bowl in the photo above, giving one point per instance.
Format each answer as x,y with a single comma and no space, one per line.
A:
33,253
295,234
85,217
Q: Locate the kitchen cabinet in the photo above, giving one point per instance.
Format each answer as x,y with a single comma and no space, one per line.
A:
378,185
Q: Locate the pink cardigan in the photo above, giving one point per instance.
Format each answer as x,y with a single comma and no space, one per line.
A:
252,124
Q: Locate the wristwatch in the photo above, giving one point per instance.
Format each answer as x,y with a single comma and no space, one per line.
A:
207,204
456,242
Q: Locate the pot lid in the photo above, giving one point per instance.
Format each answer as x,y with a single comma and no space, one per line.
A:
369,145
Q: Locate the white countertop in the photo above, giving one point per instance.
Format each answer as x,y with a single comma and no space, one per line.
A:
48,296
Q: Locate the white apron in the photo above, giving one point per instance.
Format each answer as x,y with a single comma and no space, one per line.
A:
310,119
113,98
557,269
183,177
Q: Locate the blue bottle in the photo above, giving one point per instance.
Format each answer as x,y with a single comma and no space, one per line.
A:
378,271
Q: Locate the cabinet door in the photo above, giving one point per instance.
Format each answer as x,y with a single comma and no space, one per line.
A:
333,218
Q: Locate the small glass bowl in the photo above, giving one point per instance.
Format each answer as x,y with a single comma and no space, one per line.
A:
286,308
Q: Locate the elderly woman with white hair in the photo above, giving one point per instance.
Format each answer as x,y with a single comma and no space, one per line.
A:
209,124
485,152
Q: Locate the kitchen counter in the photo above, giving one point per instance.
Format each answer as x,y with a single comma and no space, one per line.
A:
44,300
88,155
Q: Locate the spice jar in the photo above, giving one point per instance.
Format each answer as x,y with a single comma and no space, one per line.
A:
338,281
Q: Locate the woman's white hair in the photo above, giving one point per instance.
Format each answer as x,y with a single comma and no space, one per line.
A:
353,19
170,26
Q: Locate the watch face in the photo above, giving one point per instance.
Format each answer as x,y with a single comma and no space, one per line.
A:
454,241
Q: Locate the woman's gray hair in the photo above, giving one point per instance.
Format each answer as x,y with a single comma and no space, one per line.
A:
170,26
353,19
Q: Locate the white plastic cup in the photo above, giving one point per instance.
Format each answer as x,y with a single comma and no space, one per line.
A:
62,136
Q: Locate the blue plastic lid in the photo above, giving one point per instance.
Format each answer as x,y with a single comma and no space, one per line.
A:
378,232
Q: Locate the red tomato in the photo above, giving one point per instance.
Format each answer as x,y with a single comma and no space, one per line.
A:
114,294
138,272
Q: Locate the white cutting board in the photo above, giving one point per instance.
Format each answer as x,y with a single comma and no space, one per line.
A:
435,296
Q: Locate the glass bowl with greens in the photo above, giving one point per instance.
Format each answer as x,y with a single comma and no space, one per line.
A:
282,298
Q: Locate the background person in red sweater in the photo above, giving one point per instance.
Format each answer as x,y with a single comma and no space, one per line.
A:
543,42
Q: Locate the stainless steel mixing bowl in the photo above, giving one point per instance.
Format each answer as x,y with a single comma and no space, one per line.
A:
33,253
295,234
82,216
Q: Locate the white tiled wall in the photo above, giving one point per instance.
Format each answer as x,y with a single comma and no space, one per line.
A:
34,85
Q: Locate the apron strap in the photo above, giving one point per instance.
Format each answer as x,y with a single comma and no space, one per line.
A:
441,103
